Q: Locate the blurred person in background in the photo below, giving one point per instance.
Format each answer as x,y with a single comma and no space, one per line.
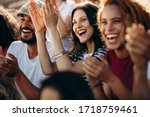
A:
9,30
65,86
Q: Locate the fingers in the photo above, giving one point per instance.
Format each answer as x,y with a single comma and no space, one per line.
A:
134,45
136,31
32,8
137,38
91,67
12,57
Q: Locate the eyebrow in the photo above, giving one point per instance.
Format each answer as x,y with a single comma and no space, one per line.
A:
82,17
113,18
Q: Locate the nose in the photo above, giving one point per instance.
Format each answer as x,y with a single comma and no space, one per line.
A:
79,25
109,26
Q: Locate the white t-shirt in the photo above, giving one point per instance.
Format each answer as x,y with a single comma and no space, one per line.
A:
148,71
30,67
65,9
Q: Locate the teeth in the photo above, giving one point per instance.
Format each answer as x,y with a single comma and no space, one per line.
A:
81,32
26,30
111,36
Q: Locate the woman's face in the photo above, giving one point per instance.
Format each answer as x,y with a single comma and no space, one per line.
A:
49,93
81,26
112,27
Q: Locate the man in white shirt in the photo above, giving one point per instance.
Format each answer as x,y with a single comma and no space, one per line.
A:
24,62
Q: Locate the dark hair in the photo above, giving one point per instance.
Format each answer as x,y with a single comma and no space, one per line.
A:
91,12
133,12
9,29
71,86
8,90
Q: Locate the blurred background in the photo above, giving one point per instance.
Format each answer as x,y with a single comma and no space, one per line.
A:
13,5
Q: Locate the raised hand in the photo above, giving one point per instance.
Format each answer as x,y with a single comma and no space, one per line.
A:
36,17
138,44
50,14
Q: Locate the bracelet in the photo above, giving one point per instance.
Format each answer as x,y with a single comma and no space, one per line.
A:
59,55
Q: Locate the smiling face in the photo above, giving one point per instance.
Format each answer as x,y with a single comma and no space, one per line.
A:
112,27
81,26
27,30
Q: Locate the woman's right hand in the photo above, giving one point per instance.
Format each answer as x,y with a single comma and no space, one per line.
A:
138,44
50,14
97,70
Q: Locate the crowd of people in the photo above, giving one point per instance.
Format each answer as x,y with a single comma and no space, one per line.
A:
81,50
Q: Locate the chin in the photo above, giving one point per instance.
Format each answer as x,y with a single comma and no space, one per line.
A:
83,41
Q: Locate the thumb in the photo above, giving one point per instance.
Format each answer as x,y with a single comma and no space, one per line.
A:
104,60
12,57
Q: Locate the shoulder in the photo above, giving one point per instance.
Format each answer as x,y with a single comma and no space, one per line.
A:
17,44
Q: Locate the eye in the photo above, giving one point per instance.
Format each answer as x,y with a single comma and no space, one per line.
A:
103,22
21,20
83,19
117,20
74,22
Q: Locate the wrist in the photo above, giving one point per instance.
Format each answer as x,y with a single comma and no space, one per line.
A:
52,28
17,74
97,85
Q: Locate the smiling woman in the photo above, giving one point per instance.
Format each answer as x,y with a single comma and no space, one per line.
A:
116,71
86,36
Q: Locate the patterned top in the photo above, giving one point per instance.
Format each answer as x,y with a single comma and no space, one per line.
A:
74,56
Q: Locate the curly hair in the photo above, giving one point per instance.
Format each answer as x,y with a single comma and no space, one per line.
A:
132,12
9,28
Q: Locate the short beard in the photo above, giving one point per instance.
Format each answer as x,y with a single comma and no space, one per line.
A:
30,41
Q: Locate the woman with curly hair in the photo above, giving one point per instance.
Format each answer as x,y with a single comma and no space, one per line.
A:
116,70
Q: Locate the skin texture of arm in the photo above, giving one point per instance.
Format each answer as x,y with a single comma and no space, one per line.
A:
138,45
64,26
97,88
36,16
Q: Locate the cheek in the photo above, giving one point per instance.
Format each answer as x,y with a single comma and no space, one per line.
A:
73,28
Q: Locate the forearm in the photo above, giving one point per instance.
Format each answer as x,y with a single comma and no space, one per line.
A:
63,62
119,89
27,88
140,87
98,92
63,28
46,65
